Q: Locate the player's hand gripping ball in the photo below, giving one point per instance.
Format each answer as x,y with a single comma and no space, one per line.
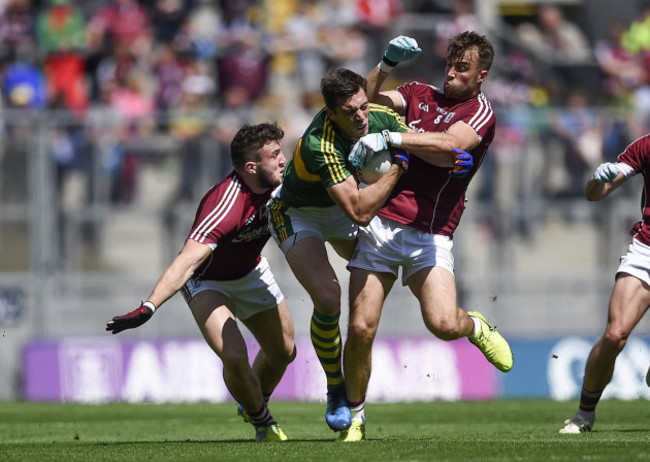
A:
377,164
374,167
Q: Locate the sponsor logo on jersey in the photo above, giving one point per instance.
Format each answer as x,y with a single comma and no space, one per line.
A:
252,234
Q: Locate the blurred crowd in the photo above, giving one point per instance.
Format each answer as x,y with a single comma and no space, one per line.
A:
126,78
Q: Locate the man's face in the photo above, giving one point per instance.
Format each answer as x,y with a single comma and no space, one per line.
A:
352,116
270,167
463,76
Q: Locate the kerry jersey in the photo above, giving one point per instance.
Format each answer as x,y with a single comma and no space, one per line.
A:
426,197
637,156
320,157
232,220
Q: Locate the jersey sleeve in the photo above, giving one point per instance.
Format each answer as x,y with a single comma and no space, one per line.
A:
406,92
388,118
635,154
324,157
478,114
214,216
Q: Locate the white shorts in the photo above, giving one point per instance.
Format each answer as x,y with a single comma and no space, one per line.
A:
637,261
252,294
385,245
296,223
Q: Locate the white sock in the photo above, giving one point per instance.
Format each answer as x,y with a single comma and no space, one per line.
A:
477,326
358,412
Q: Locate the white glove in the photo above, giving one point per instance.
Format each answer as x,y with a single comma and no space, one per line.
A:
605,173
399,49
370,144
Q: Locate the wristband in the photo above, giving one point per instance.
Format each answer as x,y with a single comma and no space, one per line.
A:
149,304
393,139
384,67
384,59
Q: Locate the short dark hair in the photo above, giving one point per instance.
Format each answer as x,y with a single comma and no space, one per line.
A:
249,139
339,85
460,43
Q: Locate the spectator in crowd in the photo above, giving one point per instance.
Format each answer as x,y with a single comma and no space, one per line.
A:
189,125
120,23
636,41
555,37
563,47
61,29
623,72
302,38
168,70
577,129
24,85
167,19
462,18
18,29
134,101
242,63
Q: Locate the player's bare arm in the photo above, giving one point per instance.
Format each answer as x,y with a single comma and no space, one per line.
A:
179,271
596,191
361,205
171,281
390,98
435,148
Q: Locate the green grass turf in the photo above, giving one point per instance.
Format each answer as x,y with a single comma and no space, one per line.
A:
440,431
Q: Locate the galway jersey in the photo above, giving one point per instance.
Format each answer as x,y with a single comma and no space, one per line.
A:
637,157
320,157
233,221
426,197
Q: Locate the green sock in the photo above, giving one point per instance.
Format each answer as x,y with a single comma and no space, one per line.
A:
326,338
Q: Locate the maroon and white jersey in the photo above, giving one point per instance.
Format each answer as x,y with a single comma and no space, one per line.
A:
233,221
637,157
426,197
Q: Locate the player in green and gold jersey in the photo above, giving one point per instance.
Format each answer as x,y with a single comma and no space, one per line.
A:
320,201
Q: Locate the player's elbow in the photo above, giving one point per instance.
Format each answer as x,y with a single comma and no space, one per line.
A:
362,219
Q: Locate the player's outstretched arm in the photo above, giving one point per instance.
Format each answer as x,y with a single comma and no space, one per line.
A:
132,319
606,179
172,280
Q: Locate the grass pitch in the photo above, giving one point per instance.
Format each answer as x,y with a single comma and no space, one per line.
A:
440,431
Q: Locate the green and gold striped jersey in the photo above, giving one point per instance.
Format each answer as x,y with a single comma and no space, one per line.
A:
320,157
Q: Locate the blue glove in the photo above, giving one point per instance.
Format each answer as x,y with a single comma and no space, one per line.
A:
463,164
368,145
400,49
400,158
605,173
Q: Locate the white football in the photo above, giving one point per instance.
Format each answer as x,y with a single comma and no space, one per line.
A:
374,167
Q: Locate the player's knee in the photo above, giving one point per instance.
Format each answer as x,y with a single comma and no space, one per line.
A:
282,357
292,354
235,359
444,328
361,332
615,339
328,299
